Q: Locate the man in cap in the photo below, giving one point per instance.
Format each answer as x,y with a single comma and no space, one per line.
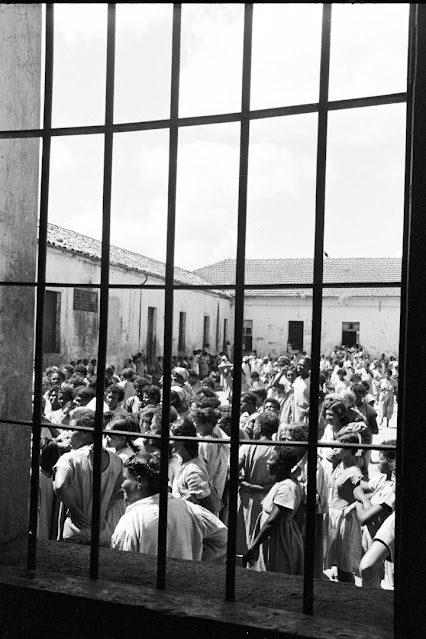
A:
179,378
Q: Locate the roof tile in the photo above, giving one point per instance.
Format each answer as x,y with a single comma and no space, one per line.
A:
300,271
89,247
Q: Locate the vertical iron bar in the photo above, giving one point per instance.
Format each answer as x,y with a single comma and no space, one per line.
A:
308,582
103,319
399,613
239,301
168,297
41,290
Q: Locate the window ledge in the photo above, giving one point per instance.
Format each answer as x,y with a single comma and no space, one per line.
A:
61,596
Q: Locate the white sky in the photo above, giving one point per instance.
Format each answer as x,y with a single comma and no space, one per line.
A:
365,177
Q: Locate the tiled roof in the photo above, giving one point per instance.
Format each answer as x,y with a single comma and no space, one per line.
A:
327,292
300,271
89,247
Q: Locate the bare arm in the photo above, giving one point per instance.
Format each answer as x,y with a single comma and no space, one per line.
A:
276,515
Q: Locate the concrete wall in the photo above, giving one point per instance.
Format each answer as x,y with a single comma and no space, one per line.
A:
128,313
20,68
128,316
378,319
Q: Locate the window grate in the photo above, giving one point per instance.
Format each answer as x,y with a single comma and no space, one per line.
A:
85,300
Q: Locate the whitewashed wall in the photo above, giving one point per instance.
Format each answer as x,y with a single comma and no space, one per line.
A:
128,312
378,319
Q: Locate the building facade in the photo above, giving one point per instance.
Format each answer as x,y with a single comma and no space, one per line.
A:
136,315
280,320
276,321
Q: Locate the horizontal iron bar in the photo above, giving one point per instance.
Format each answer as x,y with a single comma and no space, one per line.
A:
211,287
250,442
221,118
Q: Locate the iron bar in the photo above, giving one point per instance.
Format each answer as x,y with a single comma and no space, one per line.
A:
400,619
215,287
308,582
103,319
203,120
41,293
169,297
239,302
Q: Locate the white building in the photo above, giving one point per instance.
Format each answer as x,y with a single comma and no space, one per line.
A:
136,316
276,318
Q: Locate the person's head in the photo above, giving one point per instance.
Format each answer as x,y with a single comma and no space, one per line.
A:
124,423
66,395
67,371
347,438
205,401
254,376
360,392
205,391
151,395
387,458
49,454
348,397
366,385
208,382
46,385
282,460
114,396
76,380
178,399
184,427
268,424
139,384
146,417
57,378
291,374
127,374
388,373
296,432
225,419
80,369
91,381
336,413
141,477
261,394
179,375
192,377
304,367
158,416
248,403
341,373
271,405
205,419
83,395
53,396
83,418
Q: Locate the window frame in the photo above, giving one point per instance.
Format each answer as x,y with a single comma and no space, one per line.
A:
55,330
323,107
182,332
292,325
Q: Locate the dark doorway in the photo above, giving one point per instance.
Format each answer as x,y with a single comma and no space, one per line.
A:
151,332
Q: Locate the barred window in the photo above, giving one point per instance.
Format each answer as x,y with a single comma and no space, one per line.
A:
333,104
85,300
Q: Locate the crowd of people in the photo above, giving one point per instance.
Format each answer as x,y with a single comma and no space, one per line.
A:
355,497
